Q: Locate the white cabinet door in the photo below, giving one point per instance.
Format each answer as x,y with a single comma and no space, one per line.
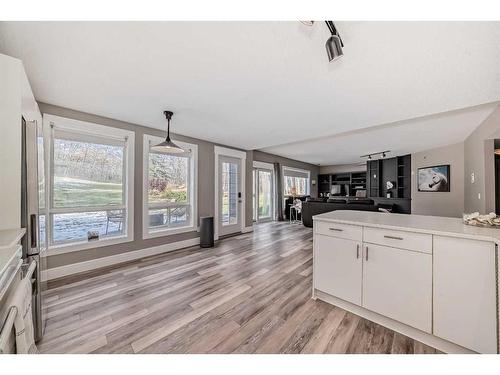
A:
338,267
398,284
465,293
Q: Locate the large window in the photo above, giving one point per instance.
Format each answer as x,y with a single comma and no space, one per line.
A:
90,183
170,189
295,181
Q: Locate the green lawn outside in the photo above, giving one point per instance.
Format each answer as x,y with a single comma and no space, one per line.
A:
70,192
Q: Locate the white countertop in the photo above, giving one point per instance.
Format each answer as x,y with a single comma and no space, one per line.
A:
10,237
8,246
412,223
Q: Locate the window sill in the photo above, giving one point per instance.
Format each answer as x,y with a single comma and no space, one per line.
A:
147,234
85,245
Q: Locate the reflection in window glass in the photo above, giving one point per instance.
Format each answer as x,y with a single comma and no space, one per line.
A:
42,231
73,227
169,217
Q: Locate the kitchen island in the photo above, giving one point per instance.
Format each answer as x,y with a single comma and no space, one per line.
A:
431,278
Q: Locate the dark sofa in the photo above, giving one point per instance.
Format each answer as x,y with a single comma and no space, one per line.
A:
319,206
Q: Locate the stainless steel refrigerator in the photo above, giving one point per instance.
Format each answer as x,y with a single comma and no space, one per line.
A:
32,210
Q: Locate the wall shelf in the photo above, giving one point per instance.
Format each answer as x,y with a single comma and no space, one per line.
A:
349,183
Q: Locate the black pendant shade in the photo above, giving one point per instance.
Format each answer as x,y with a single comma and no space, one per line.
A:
334,43
334,48
167,146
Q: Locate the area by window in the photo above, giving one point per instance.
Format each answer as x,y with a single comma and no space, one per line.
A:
170,189
90,185
295,181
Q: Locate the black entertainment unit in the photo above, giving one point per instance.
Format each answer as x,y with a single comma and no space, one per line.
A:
346,183
397,170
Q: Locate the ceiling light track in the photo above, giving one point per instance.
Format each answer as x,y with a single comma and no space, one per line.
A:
383,154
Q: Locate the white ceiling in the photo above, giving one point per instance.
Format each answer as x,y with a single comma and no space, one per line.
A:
401,138
259,85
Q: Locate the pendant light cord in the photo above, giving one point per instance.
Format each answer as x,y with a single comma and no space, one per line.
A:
168,115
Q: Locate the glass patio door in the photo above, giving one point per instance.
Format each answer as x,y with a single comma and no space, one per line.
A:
263,194
229,195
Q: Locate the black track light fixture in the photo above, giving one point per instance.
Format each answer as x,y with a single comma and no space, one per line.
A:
383,154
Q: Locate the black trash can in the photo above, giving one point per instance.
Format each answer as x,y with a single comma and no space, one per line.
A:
207,231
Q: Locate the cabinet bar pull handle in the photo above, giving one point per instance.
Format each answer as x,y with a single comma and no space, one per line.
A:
367,253
336,229
357,251
394,238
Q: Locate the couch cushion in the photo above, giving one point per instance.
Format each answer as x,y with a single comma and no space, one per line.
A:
333,200
311,199
360,201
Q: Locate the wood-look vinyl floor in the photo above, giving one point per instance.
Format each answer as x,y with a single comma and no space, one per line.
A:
249,294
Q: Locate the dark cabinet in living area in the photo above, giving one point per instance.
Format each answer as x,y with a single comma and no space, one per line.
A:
396,170
341,184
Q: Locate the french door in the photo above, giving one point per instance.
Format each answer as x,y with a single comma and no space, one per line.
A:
262,194
230,198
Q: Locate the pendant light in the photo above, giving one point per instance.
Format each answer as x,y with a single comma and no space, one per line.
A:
334,44
167,146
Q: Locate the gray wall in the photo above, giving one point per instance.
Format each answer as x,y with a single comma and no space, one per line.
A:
342,168
206,188
479,159
270,158
439,203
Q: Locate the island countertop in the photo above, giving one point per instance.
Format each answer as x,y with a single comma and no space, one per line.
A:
446,226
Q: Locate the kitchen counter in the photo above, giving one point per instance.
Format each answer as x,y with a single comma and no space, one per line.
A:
9,240
431,278
446,226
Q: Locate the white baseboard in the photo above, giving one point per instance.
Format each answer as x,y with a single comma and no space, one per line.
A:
89,265
247,229
416,334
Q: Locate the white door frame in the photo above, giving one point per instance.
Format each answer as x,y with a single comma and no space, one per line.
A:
242,155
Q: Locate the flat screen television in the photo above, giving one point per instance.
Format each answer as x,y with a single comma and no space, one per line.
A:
433,179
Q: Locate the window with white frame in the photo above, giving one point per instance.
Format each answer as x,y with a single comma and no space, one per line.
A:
170,189
295,181
90,184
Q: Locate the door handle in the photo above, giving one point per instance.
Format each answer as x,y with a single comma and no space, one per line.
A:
33,229
366,253
357,251
394,238
336,229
